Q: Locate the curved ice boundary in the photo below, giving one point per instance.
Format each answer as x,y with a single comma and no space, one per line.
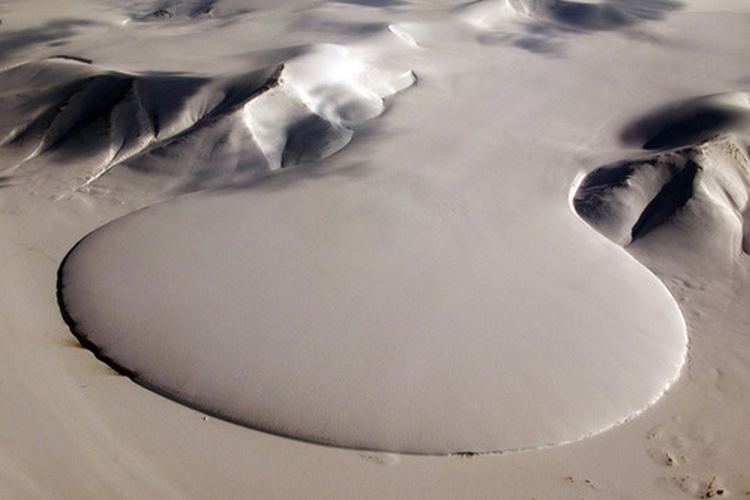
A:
332,312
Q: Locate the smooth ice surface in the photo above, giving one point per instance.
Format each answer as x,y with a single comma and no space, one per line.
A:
355,316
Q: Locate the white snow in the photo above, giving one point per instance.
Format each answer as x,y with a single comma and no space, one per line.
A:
499,226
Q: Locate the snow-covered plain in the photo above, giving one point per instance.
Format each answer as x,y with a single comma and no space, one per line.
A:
424,227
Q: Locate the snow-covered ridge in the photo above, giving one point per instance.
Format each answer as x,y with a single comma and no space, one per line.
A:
703,161
191,130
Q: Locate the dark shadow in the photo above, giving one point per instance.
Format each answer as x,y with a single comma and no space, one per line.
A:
591,199
536,44
681,124
700,125
553,21
609,14
610,196
236,92
79,112
367,134
348,28
194,10
313,138
202,8
72,58
586,16
163,96
672,197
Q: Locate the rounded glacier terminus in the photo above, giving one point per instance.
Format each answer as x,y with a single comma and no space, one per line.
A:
334,313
